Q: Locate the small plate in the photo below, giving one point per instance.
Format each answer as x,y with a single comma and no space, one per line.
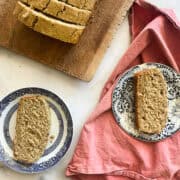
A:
61,130
123,104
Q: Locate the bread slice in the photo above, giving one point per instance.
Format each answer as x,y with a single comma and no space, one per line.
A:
61,10
151,100
83,4
47,25
32,129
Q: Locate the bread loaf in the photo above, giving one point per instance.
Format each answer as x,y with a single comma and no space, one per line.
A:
151,101
32,129
61,10
47,25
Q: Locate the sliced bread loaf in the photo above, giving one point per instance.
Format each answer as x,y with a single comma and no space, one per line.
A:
32,129
61,10
83,4
151,101
47,25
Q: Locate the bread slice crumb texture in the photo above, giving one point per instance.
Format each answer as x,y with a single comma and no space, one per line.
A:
151,101
32,129
47,25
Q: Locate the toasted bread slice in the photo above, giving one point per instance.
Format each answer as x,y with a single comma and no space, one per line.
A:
47,25
61,10
32,129
83,4
151,101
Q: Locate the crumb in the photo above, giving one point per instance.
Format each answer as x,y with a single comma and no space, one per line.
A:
51,138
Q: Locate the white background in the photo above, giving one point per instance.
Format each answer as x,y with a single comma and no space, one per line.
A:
18,72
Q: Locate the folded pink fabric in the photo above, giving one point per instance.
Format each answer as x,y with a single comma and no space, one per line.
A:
105,151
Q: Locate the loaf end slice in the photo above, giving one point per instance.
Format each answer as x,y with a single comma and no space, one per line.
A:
32,129
151,100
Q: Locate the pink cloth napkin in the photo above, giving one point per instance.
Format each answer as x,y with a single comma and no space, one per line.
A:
105,151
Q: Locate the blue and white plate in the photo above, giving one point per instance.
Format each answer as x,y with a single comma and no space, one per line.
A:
123,104
61,130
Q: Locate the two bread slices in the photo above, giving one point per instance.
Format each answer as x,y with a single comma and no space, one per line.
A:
63,20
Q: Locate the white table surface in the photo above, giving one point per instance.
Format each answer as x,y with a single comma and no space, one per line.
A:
17,72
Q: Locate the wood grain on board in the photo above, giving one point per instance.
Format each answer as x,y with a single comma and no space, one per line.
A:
80,60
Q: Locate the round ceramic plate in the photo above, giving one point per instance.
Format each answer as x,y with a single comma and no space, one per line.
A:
61,130
123,104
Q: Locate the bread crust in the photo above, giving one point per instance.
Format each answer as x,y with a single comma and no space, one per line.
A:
83,4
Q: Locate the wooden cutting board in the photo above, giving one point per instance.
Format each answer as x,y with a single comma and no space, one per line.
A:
80,60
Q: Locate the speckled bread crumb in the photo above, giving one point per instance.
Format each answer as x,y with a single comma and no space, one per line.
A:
32,129
151,101
61,10
47,25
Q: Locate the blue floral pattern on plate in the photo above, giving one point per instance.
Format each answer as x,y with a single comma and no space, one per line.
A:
123,104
